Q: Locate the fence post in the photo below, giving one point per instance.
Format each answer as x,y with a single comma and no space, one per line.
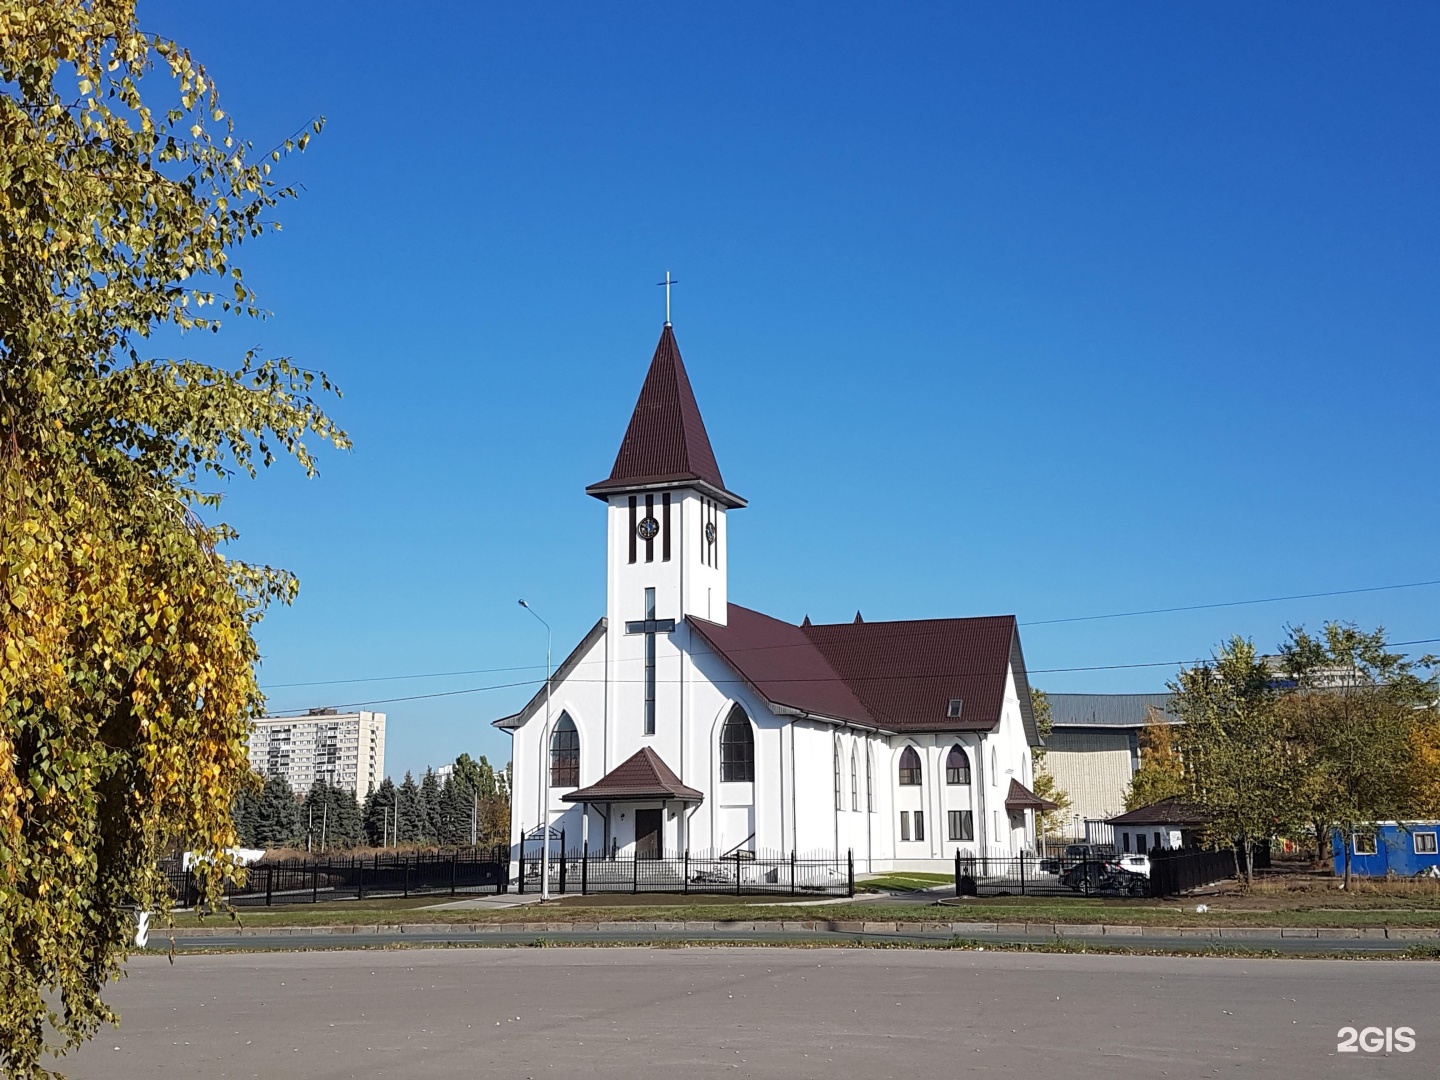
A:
792,871
454,869
685,872
737,871
269,884
635,868
562,865
404,877
850,863
360,877
584,867
1022,873
522,866
957,871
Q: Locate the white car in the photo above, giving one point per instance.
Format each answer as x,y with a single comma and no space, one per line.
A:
1136,864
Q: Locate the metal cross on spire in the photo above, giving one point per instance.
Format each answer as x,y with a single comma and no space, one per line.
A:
667,283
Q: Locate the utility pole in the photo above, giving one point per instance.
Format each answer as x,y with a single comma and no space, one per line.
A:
474,817
310,830
544,785
324,822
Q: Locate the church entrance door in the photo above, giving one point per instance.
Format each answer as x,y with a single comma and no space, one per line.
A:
647,834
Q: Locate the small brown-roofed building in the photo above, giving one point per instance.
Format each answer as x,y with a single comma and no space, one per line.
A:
1167,823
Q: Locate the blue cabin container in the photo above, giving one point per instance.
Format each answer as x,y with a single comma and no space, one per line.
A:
1399,848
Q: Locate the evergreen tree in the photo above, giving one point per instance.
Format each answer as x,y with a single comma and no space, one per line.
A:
277,815
332,814
430,808
410,811
457,801
243,813
347,826
379,813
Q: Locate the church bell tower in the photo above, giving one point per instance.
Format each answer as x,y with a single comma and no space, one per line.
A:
666,503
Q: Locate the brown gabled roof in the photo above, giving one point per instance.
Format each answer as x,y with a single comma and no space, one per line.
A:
1020,797
895,676
666,442
640,776
1170,811
782,664
906,673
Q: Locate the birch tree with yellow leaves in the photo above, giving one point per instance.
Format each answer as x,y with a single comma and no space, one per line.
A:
127,656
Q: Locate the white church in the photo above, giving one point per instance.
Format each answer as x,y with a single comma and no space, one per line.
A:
685,722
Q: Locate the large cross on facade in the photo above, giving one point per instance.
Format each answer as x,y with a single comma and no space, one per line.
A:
650,626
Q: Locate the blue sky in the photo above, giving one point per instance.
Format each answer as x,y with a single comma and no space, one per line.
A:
1055,310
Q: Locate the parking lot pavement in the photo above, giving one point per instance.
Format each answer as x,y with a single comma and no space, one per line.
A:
647,1013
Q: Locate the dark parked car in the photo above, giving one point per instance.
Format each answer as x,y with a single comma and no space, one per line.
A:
1102,876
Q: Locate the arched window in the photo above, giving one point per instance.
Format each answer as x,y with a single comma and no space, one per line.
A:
854,782
994,768
839,805
565,753
869,780
957,766
737,749
909,766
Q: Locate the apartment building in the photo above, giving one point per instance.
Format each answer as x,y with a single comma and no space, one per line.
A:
344,748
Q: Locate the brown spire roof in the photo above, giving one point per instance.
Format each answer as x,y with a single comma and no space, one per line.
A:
666,443
640,776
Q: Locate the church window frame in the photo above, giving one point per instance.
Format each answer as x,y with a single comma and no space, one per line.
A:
911,773
919,825
957,767
565,753
737,748
869,780
962,826
905,826
839,802
854,782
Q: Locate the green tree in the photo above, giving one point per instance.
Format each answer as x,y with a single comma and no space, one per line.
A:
243,813
1161,774
332,815
430,808
410,812
379,813
126,652
1051,821
1353,709
1236,749
277,814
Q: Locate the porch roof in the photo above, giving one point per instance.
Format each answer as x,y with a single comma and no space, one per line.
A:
1019,797
641,776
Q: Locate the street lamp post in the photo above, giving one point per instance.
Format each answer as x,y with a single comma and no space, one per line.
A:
544,786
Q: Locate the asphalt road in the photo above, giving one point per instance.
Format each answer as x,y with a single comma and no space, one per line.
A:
662,1014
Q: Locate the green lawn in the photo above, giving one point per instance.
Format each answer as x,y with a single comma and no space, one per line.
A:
903,881
1332,910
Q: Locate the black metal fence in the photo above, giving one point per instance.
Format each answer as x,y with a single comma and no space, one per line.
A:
1173,872
741,872
308,881
1170,872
